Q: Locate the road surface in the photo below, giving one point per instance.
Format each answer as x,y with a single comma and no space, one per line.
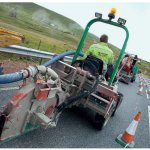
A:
74,129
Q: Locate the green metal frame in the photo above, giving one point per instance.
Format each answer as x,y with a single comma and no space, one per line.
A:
80,46
28,127
135,71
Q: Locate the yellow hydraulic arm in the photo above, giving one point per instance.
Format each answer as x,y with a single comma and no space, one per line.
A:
8,37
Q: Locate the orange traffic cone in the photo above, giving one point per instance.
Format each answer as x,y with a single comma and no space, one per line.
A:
141,84
140,92
141,81
126,139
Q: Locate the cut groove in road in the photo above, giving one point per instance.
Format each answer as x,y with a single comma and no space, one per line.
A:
149,121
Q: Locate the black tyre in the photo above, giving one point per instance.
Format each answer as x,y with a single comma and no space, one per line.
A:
118,103
132,80
99,121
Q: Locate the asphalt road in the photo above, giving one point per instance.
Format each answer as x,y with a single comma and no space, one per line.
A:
74,129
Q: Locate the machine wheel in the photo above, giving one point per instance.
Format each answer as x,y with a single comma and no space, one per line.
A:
118,103
99,121
127,81
132,80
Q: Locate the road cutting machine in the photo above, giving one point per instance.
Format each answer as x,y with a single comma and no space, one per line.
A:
47,90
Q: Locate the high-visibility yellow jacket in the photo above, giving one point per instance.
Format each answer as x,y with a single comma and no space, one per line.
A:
101,51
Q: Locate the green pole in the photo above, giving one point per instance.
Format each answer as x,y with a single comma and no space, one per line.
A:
120,57
79,48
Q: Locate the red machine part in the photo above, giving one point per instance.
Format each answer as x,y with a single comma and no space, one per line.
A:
127,62
49,110
41,90
15,99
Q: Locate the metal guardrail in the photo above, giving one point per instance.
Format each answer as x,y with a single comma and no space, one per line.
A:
20,50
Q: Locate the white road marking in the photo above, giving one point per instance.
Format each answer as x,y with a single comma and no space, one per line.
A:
9,88
149,121
126,145
147,94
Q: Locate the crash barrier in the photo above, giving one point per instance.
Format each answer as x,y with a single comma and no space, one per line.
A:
144,86
20,50
127,138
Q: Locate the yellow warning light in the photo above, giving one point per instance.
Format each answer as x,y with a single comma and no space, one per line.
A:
113,11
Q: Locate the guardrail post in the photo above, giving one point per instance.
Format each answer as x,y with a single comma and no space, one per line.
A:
1,69
41,60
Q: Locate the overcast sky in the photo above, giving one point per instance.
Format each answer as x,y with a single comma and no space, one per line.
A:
136,14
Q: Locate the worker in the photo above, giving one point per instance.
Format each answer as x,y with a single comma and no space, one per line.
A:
134,68
102,52
135,59
126,64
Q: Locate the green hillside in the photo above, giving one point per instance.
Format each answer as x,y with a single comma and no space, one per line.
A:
37,23
145,67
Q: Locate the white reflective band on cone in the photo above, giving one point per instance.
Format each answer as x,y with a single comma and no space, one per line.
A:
147,94
141,89
132,127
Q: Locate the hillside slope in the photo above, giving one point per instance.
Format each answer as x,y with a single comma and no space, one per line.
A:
37,22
